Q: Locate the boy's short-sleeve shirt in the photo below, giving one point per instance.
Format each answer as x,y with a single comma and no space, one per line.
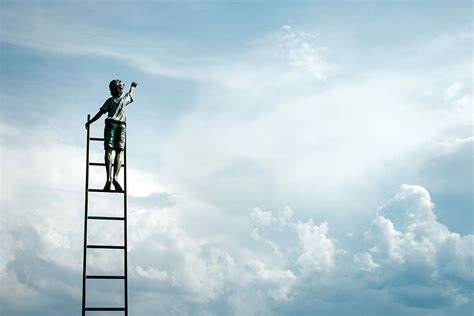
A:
115,107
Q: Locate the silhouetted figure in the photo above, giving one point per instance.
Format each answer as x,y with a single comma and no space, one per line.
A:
114,131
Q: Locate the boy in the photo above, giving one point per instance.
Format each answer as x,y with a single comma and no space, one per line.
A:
114,131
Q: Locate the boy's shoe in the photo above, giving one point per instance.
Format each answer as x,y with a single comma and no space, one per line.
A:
117,186
107,186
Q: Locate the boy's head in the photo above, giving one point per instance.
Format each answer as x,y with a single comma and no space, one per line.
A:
116,87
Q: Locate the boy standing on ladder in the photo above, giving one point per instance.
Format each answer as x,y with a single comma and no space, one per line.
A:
114,131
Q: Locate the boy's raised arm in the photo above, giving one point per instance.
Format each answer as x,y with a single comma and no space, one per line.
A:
133,85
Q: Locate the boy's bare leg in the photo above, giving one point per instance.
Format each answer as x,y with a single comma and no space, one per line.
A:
117,166
108,168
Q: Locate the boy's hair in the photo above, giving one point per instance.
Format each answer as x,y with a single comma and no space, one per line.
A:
115,87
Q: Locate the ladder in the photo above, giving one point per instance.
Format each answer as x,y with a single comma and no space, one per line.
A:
123,247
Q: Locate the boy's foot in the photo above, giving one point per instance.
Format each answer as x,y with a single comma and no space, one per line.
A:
117,186
107,186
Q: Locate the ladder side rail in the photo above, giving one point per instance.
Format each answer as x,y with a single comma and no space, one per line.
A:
125,227
86,209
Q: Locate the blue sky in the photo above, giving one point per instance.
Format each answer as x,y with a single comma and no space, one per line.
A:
284,158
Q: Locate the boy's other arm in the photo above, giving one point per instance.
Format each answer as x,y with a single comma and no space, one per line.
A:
95,118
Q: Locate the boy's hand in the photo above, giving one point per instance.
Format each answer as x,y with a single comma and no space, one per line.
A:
134,84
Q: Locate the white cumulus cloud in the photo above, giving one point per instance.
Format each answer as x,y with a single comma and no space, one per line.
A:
409,247
316,247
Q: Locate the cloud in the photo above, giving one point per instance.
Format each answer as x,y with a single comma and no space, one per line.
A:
278,282
36,28
449,39
317,250
313,248
36,275
416,258
56,30
448,175
412,260
42,203
271,139
365,261
281,264
153,200
262,218
302,50
197,269
450,146
152,274
453,90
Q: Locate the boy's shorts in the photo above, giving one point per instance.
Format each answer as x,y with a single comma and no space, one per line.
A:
114,135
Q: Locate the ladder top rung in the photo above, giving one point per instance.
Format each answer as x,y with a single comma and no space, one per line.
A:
100,164
96,138
100,190
105,309
105,277
105,247
112,218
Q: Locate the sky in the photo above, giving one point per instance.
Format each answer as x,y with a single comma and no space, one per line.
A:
284,158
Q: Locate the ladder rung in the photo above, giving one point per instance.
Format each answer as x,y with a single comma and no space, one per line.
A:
105,309
105,247
97,139
103,191
107,218
100,164
105,277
